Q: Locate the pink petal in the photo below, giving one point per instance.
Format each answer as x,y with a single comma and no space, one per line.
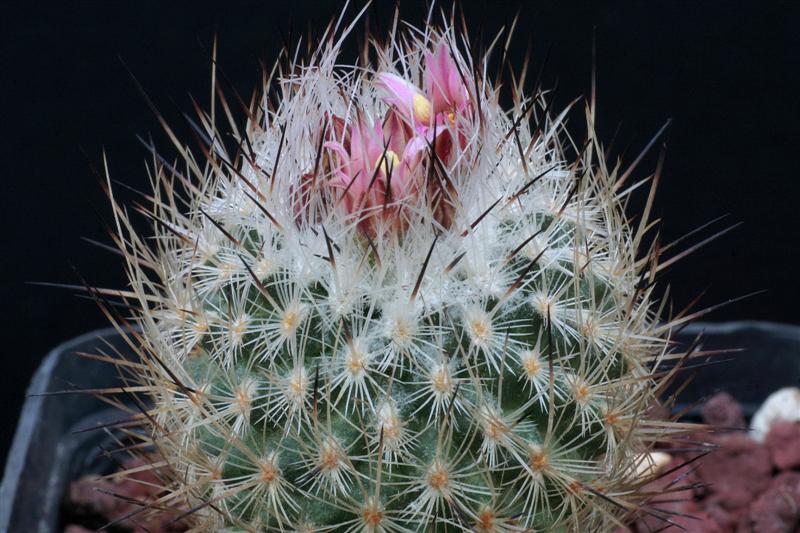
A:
360,152
375,142
399,92
414,151
338,148
342,155
395,131
337,129
443,82
413,106
341,181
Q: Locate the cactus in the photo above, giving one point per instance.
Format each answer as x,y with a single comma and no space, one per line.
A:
385,304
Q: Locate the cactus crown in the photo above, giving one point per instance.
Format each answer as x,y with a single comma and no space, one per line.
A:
394,306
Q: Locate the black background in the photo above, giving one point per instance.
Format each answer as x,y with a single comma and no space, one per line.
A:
726,72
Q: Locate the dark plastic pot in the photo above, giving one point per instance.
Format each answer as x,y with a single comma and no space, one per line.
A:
50,448
764,357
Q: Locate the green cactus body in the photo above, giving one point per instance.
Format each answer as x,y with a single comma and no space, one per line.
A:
466,349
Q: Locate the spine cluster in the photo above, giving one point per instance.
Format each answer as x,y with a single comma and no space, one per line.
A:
387,304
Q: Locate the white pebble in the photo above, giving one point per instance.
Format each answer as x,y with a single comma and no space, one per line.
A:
782,405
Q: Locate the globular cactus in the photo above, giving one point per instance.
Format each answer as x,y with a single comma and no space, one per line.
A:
385,303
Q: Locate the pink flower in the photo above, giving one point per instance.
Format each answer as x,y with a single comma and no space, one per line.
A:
437,116
437,108
375,174
410,102
443,82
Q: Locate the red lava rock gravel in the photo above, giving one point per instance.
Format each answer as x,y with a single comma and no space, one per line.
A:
98,501
783,442
742,486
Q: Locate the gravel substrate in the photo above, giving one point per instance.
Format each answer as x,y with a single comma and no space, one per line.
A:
741,486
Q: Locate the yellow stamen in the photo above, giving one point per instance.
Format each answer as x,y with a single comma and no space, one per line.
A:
389,162
423,109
